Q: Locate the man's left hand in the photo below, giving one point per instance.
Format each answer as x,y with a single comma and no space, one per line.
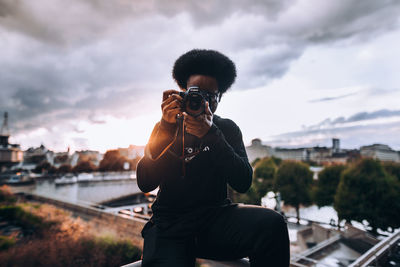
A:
200,125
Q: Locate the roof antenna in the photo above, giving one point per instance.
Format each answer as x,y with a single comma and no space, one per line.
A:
4,128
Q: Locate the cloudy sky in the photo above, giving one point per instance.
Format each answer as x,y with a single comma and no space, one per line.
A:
89,74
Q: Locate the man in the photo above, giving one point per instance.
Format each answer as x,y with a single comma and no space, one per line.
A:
192,158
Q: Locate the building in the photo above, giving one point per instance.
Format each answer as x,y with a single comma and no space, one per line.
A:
86,155
381,152
297,154
132,152
335,146
10,154
37,155
258,150
317,154
61,158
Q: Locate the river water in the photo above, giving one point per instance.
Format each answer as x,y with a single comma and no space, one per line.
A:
90,192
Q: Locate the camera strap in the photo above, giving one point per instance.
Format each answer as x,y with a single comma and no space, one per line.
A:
168,146
183,149
181,124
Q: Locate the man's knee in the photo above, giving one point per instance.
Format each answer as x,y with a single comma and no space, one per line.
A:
272,226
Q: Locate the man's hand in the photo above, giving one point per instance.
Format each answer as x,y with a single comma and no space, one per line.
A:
200,125
171,105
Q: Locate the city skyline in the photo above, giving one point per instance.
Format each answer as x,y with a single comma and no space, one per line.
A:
90,75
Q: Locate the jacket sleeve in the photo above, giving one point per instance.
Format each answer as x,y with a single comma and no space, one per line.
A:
155,162
230,156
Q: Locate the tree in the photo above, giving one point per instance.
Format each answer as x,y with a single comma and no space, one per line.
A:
263,177
133,163
255,162
112,161
84,166
367,192
42,167
393,168
277,161
250,197
328,181
52,170
263,182
65,168
294,181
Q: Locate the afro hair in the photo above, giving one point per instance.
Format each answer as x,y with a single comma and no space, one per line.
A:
205,62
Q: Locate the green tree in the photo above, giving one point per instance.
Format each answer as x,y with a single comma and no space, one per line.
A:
328,181
250,197
294,181
277,161
367,192
263,177
263,182
393,168
255,162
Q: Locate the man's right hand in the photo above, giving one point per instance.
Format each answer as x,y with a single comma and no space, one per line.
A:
171,105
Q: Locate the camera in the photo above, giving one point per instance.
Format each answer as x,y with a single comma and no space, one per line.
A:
194,101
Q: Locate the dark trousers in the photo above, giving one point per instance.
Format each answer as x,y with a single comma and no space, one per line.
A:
225,233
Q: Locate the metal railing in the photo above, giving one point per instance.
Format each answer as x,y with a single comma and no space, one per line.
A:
306,254
377,251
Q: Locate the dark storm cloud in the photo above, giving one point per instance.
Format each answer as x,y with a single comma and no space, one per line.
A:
358,117
211,12
262,66
69,61
384,113
355,19
315,21
80,21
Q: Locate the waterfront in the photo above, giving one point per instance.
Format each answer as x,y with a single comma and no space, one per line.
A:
90,192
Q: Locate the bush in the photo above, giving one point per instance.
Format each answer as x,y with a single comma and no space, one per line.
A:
86,251
6,196
115,252
6,242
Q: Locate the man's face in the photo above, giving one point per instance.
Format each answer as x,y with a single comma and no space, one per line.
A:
205,83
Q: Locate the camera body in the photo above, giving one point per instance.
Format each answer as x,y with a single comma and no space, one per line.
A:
194,101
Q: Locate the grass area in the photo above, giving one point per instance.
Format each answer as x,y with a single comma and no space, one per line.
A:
6,242
85,251
30,223
6,196
52,237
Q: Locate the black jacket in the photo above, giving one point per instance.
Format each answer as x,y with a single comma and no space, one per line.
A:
200,177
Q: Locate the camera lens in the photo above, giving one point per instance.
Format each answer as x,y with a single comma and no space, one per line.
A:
195,101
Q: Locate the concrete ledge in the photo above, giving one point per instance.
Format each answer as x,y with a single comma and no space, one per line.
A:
237,263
